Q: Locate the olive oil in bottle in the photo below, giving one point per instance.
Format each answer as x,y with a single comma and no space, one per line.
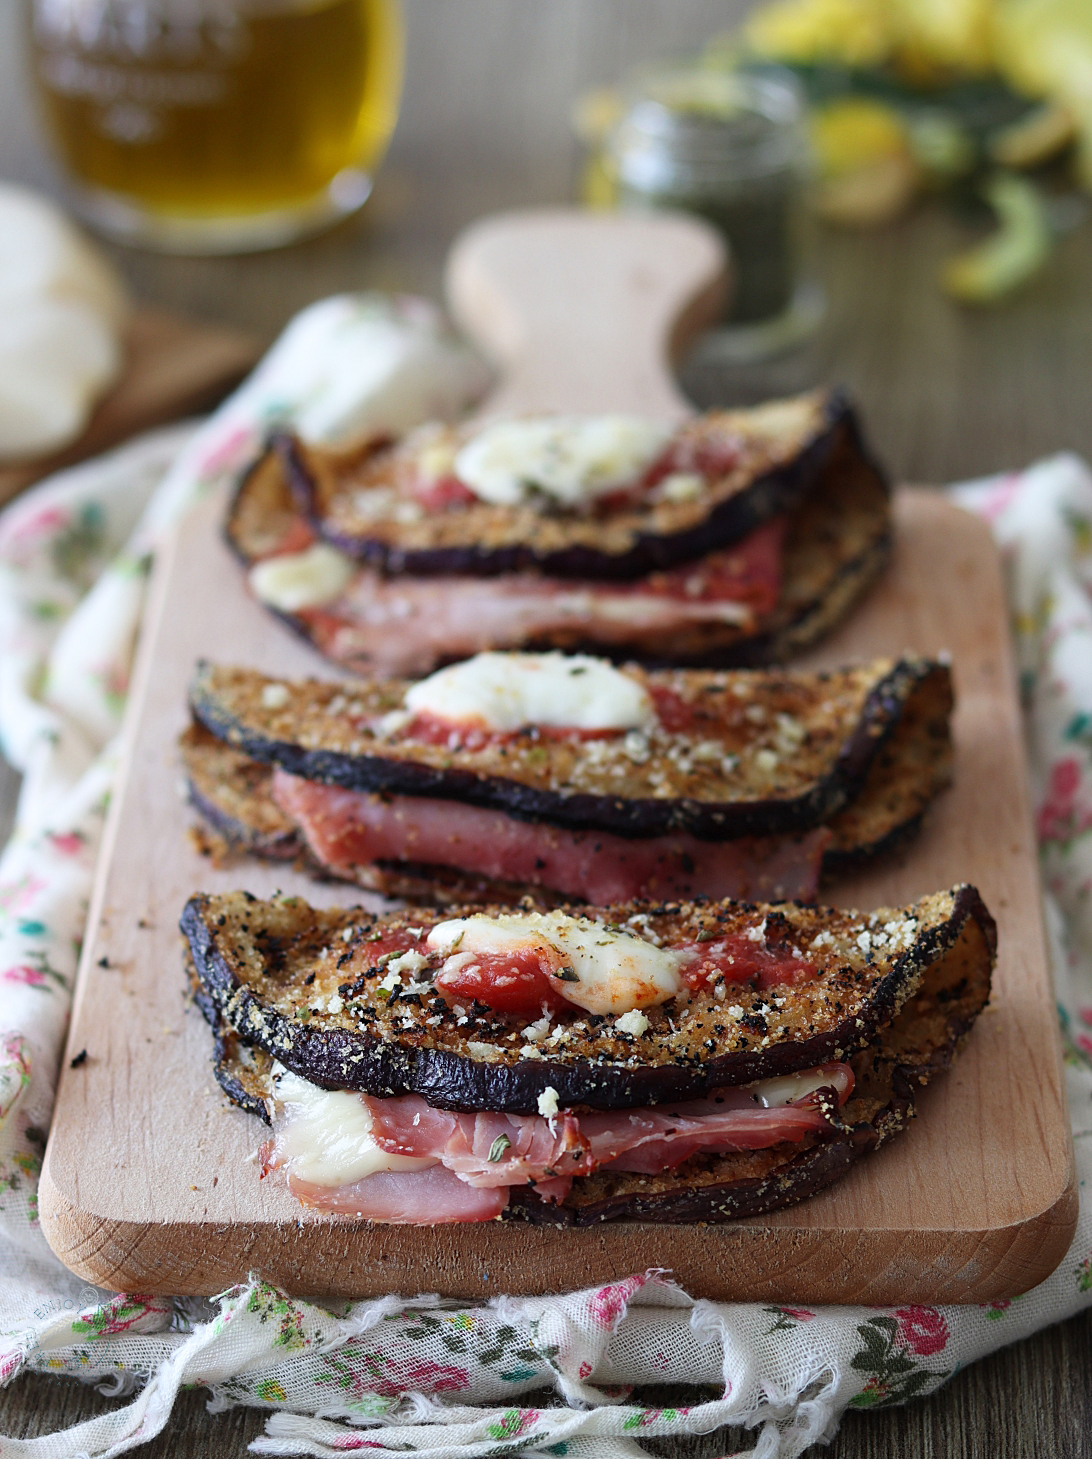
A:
218,124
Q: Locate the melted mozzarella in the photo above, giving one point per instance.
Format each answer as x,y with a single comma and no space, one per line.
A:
569,460
615,970
508,691
324,1137
301,579
772,1093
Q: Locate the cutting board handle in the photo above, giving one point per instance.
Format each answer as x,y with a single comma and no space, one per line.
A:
583,312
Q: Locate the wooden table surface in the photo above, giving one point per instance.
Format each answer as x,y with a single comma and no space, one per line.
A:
945,393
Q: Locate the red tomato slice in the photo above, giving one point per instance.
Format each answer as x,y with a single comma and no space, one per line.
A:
518,983
739,960
675,713
438,496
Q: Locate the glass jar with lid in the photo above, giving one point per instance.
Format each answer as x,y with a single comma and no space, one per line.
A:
729,146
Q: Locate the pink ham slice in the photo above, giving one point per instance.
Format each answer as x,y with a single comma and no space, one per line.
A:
650,1140
485,1150
434,1196
480,1156
405,626
349,828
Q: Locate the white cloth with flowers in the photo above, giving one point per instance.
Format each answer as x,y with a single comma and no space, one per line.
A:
410,1372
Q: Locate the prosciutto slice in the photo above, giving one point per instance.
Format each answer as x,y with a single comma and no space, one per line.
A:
485,1150
403,625
347,828
478,1157
435,1196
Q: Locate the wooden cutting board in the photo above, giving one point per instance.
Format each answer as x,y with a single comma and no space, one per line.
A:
150,1182
173,367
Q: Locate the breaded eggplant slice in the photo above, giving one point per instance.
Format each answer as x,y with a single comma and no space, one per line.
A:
272,968
233,795
242,1072
764,754
920,1042
837,543
358,502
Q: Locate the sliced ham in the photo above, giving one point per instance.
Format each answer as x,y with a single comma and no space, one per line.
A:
478,1157
433,1197
404,625
650,1140
348,828
485,1150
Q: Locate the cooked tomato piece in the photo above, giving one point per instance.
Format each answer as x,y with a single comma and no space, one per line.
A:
518,983
439,495
675,713
740,960
298,536
712,454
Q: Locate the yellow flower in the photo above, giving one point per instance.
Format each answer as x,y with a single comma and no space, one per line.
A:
1044,48
935,37
853,32
867,171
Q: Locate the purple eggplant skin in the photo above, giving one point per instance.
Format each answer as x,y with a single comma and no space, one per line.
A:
240,837
225,1054
634,817
349,1059
778,490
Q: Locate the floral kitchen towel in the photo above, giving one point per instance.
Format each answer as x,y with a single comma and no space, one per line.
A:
411,1373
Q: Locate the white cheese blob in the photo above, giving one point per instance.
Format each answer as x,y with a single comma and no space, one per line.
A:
773,1093
304,579
509,691
568,460
325,1137
609,970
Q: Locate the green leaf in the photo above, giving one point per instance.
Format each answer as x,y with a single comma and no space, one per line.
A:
900,1363
865,1363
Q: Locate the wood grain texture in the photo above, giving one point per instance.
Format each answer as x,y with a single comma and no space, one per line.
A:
173,367
147,1182
586,312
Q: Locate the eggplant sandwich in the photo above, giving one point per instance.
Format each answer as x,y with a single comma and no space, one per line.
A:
672,1061
737,538
566,777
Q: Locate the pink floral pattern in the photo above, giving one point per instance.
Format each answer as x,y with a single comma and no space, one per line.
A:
1063,815
608,1306
923,1329
21,973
